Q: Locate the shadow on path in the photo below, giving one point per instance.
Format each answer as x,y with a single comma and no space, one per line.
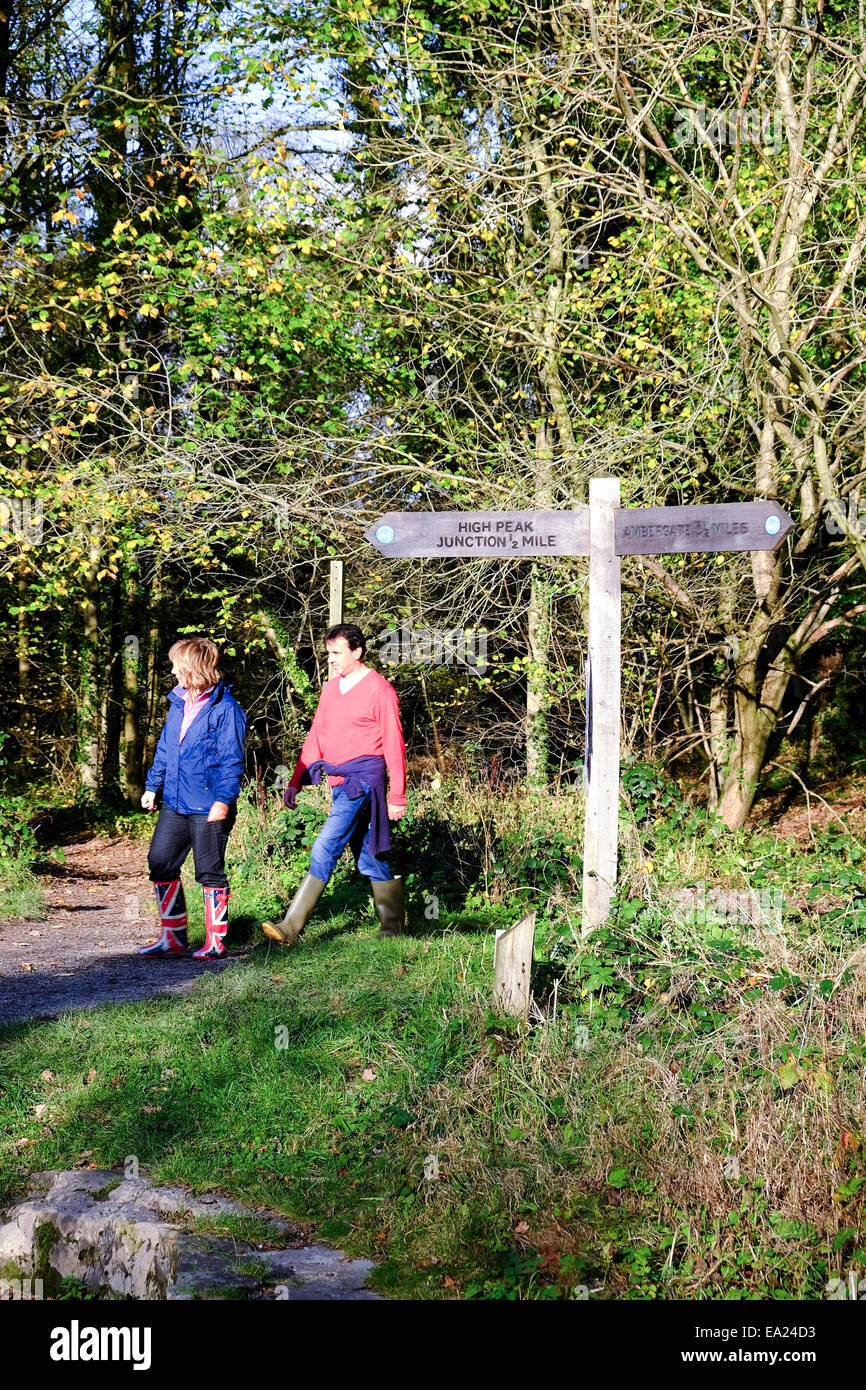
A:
100,910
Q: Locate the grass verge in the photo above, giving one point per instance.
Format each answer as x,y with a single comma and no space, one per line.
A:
682,1119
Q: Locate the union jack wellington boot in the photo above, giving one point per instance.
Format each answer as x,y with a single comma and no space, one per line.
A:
216,920
171,906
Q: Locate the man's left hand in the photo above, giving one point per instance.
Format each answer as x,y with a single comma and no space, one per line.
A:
395,812
218,811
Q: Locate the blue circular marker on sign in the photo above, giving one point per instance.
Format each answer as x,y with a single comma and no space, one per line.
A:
773,525
385,534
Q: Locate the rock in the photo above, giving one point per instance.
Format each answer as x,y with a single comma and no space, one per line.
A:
316,1272
116,1235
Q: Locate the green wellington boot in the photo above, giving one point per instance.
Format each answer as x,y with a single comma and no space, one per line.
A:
388,898
299,913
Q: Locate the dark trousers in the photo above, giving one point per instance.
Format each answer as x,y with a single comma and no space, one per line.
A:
175,835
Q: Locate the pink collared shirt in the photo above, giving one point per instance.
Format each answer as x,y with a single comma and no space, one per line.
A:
191,708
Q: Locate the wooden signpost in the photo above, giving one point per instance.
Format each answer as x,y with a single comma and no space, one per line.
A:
605,532
602,746
638,531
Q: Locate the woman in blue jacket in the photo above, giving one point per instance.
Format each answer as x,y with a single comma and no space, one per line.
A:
198,767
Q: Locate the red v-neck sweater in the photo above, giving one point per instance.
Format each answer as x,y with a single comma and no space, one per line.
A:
364,721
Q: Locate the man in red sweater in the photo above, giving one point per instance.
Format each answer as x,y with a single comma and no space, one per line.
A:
355,738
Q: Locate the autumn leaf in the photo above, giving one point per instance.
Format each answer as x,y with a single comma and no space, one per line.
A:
789,1073
821,1079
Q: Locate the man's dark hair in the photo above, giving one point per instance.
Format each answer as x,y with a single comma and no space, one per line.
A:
353,635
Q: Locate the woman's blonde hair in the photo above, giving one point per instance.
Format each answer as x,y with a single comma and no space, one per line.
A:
197,660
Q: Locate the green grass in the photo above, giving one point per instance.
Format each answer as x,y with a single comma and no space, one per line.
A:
255,1230
684,1119
23,897
210,1091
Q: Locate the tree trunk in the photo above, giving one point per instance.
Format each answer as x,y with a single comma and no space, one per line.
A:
538,678
297,682
112,700
89,681
434,728
546,315
718,740
540,627
756,711
132,784
26,722
152,693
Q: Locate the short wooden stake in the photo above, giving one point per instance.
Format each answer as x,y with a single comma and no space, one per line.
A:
512,967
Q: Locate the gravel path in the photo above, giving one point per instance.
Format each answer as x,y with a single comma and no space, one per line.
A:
100,910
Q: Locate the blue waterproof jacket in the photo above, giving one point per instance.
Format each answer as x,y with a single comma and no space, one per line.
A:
209,764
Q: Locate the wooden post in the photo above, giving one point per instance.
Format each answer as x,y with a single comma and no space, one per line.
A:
603,731
335,609
512,967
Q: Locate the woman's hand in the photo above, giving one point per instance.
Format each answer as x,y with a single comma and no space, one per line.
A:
148,801
396,812
218,811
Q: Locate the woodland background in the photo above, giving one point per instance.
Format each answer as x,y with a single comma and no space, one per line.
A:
270,271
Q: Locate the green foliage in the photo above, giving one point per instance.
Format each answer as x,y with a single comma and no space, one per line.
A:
75,1290
546,862
220,367
281,844
443,854
654,795
20,891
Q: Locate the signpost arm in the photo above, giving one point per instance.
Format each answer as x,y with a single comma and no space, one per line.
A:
602,781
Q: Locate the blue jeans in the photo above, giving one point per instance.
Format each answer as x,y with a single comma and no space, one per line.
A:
348,824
